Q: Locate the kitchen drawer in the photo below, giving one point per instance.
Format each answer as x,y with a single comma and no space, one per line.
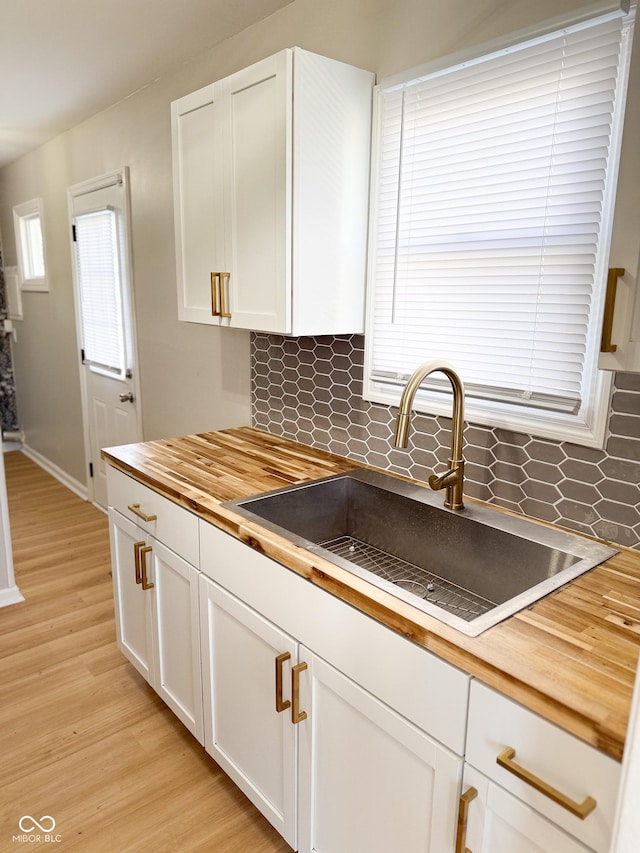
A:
562,761
175,526
423,688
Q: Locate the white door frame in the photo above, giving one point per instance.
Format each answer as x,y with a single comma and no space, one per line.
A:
9,592
102,181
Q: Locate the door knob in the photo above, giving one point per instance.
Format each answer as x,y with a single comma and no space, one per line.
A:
126,398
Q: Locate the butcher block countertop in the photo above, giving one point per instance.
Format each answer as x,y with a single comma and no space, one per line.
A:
571,657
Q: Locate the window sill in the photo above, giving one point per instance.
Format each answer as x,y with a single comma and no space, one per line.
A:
586,429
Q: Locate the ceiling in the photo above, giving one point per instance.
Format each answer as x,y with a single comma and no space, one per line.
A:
62,61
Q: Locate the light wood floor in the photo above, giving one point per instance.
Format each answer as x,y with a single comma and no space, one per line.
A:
82,736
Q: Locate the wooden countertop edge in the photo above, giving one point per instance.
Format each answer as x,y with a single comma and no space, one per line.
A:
489,657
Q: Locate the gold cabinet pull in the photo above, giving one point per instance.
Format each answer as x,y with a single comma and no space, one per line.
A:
581,810
609,307
136,559
135,509
219,286
281,704
297,716
215,311
463,814
225,278
146,584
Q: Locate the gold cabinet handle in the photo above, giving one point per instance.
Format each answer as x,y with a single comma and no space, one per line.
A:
297,716
215,311
219,285
581,810
609,307
146,584
225,278
136,559
135,509
281,704
463,814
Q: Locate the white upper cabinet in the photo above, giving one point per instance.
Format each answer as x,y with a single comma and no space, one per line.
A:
271,177
199,245
621,326
620,346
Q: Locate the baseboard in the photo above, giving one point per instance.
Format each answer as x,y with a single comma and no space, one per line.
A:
12,595
11,446
70,482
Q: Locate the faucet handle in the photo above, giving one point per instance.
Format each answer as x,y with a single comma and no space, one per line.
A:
451,480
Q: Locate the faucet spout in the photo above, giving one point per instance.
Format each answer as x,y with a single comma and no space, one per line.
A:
452,480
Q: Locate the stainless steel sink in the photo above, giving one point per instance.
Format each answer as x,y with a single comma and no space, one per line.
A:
469,568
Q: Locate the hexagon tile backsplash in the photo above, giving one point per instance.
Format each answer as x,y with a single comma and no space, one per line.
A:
309,389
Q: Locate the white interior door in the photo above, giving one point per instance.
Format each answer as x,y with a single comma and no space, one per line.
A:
106,327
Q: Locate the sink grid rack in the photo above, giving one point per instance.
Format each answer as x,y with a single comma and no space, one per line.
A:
409,577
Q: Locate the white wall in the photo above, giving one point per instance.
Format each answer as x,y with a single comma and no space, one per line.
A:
193,378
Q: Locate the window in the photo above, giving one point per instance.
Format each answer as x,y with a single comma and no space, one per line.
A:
100,289
493,203
27,218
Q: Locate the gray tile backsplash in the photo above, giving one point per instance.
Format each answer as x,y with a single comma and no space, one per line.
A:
309,389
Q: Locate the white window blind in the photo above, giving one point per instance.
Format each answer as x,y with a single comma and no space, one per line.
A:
491,191
98,268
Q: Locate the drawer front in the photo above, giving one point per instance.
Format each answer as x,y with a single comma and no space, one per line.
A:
420,686
173,525
563,763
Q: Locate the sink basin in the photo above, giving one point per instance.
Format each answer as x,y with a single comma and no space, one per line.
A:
469,568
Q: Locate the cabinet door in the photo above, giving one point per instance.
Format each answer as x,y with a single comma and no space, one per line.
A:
198,201
258,193
253,741
370,781
497,820
176,622
133,607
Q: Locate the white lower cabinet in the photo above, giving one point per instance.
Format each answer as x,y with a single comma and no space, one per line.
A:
134,620
176,630
157,623
498,821
247,731
370,781
538,786
328,763
301,739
